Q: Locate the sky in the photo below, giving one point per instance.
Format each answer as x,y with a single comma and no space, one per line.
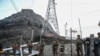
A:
88,11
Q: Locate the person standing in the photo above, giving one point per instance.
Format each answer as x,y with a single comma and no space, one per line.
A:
30,47
62,48
87,46
55,48
41,48
79,43
97,46
1,50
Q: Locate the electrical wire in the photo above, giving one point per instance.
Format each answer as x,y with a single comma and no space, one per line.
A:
14,5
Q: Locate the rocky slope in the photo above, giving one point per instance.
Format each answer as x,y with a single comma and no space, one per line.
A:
21,24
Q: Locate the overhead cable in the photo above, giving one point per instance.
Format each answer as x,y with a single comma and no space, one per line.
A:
14,5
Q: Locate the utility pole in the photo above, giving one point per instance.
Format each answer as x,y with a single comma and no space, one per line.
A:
71,32
71,40
74,31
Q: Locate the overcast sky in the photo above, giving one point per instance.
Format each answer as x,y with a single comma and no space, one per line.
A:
87,10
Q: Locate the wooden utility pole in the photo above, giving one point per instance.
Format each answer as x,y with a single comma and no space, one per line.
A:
91,44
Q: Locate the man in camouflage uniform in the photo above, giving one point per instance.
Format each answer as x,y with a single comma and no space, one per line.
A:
15,47
55,48
41,47
30,46
87,46
62,49
99,42
79,43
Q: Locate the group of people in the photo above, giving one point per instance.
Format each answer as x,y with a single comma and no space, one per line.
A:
88,44
80,45
56,49
95,47
60,51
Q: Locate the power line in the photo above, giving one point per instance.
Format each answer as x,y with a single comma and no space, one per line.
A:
14,5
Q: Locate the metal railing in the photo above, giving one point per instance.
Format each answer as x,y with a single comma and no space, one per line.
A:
21,50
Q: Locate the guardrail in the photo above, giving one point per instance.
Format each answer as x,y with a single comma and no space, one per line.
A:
21,46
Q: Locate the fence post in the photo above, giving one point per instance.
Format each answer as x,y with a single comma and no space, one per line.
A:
21,52
91,44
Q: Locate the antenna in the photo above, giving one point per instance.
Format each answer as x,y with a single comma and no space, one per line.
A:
80,27
65,29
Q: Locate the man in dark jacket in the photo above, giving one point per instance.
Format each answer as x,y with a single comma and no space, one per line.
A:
62,48
97,45
87,46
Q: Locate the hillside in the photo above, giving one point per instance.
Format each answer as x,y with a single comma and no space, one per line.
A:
21,25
